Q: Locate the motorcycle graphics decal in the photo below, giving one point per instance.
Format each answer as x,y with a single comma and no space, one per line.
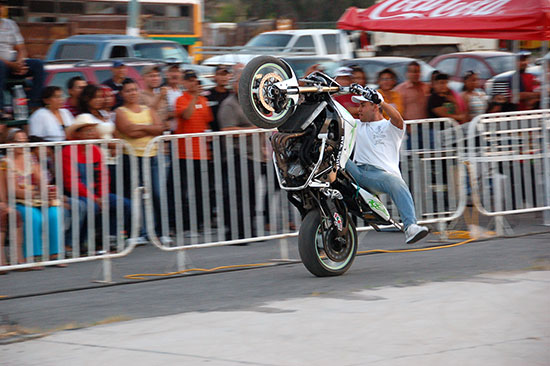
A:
375,205
338,221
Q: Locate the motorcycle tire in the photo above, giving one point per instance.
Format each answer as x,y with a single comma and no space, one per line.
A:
256,104
312,254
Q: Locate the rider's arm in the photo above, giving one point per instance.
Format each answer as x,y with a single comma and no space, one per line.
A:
395,116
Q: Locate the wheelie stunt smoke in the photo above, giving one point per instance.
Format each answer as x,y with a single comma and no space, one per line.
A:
314,140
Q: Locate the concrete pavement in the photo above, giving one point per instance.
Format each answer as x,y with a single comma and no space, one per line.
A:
498,319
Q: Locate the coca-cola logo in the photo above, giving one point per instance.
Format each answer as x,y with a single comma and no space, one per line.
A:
391,9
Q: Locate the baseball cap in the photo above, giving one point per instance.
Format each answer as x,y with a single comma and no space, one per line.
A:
150,68
359,98
118,63
343,71
222,68
189,74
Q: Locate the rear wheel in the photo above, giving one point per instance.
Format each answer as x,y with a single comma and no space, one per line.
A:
262,103
328,256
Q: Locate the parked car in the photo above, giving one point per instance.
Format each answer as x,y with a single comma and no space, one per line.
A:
373,65
500,84
485,63
106,46
329,43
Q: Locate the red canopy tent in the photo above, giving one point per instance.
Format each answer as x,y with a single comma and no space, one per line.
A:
502,19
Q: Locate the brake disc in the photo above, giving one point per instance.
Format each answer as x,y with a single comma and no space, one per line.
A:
264,93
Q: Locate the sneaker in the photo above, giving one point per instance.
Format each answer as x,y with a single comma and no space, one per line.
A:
415,233
166,240
139,241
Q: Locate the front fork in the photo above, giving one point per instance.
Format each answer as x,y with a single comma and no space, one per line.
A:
334,212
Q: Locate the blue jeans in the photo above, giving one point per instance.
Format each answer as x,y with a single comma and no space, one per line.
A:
36,70
378,181
34,214
113,219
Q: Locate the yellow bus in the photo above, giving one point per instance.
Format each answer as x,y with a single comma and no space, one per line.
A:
175,20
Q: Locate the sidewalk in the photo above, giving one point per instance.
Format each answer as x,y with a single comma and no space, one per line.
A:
493,319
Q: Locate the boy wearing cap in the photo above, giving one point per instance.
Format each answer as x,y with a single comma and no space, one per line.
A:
217,95
97,191
376,160
194,116
120,71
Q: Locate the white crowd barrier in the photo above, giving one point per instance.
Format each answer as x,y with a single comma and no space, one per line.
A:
58,222
213,189
509,156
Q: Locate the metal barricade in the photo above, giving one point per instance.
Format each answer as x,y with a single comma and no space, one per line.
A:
509,157
76,220
431,160
213,193
214,189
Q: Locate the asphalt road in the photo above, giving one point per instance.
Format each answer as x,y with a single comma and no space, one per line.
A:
70,305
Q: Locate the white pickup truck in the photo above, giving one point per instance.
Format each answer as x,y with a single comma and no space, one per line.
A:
327,43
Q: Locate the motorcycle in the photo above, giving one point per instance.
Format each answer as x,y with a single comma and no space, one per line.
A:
315,137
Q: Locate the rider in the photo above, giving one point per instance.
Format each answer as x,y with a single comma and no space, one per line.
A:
376,161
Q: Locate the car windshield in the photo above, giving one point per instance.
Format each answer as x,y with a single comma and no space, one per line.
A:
269,40
501,63
161,51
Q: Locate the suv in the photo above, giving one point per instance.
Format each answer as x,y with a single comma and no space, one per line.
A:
107,46
328,43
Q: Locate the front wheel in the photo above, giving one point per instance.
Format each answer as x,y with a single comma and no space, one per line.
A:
261,101
328,256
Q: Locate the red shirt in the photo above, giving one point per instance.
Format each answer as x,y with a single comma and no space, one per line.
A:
198,122
93,189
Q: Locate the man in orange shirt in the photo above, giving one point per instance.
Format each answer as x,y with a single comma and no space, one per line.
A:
194,116
414,94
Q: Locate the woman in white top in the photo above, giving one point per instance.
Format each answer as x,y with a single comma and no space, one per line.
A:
474,98
50,121
91,101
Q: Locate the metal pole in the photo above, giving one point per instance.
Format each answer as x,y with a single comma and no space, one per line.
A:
545,132
515,78
132,28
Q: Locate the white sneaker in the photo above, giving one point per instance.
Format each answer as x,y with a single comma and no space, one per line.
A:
415,233
166,240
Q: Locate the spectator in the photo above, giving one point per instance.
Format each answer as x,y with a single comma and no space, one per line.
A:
194,115
387,79
50,121
459,101
217,95
501,103
528,97
442,102
138,125
343,77
358,75
474,98
28,182
175,89
414,94
109,101
154,95
120,71
90,102
75,85
5,213
15,64
96,191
